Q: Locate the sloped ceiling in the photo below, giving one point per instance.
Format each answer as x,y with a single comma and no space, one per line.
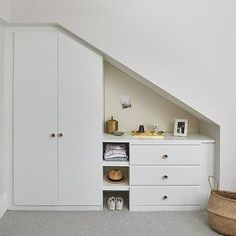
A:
184,47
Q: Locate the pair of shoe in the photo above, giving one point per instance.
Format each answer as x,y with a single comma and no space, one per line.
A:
115,203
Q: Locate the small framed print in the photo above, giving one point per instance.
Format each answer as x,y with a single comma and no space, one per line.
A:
181,127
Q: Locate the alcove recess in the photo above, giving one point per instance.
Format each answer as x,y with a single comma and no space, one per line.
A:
147,106
151,104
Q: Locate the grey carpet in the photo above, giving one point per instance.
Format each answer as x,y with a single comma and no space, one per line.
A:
96,223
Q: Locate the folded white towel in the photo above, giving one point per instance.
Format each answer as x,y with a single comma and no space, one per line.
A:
113,152
117,159
115,147
115,155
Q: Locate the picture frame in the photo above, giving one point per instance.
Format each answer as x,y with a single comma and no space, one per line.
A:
181,127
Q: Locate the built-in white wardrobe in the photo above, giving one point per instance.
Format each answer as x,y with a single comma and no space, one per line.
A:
58,109
58,138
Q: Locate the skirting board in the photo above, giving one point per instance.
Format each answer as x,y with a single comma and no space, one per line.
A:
3,204
164,208
56,208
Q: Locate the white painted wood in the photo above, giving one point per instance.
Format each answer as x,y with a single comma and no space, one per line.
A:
154,195
207,168
57,208
80,120
154,154
164,208
3,204
115,163
166,139
35,118
165,175
108,186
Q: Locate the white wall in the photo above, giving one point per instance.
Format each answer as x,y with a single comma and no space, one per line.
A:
188,48
2,177
147,107
4,9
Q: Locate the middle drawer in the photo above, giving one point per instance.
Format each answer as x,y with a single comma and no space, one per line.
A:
164,175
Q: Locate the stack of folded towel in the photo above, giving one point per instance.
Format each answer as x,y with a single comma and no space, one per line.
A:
115,152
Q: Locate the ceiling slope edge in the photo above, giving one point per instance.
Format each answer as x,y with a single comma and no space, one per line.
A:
153,86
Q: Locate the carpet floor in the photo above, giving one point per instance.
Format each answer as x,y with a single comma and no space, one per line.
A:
104,223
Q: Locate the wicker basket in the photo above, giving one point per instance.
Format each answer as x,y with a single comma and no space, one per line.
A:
222,210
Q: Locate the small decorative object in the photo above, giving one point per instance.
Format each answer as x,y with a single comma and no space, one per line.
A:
125,101
117,133
181,127
155,127
111,125
221,210
115,175
141,129
147,133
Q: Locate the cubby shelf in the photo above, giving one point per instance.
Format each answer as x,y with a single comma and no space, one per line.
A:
115,163
107,186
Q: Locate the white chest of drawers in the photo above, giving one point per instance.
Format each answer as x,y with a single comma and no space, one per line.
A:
170,173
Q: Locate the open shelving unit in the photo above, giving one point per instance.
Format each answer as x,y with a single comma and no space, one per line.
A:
113,188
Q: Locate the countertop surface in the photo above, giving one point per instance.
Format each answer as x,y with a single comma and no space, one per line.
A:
167,138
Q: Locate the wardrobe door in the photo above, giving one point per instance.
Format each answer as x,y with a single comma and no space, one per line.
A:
35,118
80,124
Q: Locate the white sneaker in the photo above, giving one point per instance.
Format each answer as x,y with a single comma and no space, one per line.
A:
111,203
119,203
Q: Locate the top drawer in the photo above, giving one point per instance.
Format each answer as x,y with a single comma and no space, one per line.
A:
165,154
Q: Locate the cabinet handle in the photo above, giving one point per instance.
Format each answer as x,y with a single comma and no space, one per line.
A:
52,135
165,156
164,197
60,135
165,177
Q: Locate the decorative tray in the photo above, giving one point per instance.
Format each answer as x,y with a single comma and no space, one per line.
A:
147,133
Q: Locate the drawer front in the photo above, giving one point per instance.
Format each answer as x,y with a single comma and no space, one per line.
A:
165,155
164,195
165,175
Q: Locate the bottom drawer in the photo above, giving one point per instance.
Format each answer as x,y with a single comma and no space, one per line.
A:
164,195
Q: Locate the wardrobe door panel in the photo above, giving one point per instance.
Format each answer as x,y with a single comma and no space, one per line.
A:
35,118
80,124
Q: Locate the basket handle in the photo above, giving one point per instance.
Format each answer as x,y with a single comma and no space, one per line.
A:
209,181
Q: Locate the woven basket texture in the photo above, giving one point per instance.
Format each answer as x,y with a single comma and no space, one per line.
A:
222,212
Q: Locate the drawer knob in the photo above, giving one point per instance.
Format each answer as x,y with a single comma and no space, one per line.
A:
53,135
165,156
165,177
165,197
60,135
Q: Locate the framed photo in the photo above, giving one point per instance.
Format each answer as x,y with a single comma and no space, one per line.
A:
181,127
